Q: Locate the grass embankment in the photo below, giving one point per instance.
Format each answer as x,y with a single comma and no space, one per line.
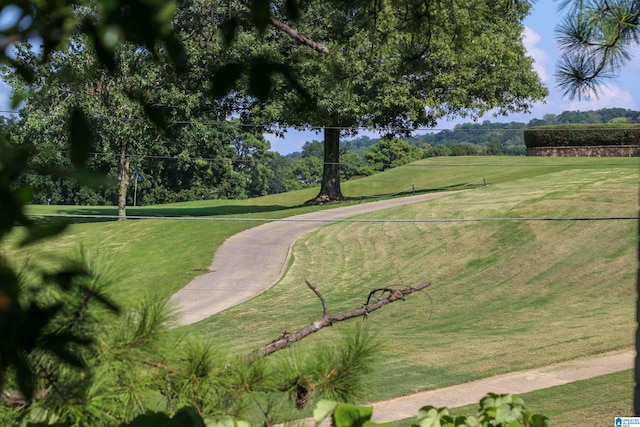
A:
162,256
506,295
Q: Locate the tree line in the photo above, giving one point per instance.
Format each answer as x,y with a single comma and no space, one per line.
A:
494,138
228,160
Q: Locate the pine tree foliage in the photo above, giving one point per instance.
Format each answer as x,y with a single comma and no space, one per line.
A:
93,368
597,38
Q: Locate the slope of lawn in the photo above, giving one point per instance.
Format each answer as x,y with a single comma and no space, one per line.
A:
505,295
160,257
425,175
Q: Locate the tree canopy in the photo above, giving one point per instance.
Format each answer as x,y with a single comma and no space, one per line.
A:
393,67
391,152
397,66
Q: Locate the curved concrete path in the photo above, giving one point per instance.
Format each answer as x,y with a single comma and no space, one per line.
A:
252,261
520,382
513,383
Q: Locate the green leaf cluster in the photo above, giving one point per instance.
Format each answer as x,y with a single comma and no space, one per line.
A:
495,410
345,415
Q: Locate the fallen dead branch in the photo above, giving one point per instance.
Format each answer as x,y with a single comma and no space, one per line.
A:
377,299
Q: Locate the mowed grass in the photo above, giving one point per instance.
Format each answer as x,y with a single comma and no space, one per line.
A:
159,257
505,295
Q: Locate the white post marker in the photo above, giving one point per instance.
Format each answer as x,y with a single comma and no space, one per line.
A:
135,188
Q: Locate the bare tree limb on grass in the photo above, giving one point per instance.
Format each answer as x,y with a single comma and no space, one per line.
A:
325,312
383,296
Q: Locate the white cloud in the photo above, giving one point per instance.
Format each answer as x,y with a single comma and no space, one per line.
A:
609,96
530,39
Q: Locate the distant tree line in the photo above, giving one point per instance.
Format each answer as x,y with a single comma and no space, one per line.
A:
488,138
605,115
228,161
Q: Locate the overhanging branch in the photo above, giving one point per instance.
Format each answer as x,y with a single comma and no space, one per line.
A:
300,38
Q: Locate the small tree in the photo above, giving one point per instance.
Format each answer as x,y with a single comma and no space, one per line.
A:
494,148
438,150
72,83
353,165
392,152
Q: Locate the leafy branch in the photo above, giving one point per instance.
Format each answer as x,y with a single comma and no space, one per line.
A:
495,410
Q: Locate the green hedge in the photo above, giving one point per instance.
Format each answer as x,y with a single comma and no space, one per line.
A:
581,135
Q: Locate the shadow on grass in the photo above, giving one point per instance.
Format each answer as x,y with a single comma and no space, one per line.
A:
95,214
417,191
91,214
178,211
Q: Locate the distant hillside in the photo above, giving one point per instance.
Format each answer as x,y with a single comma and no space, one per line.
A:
509,135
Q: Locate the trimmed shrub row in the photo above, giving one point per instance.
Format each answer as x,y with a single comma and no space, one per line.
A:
581,135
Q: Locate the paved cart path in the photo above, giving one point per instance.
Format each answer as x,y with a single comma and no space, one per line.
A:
252,261
514,383
520,382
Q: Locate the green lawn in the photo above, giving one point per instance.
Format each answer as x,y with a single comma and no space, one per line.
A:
505,295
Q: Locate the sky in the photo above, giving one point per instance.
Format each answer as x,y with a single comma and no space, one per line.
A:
539,40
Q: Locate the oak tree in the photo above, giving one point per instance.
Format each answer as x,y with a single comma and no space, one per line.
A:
397,66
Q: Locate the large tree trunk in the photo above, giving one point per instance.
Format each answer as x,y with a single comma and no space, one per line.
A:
330,189
124,181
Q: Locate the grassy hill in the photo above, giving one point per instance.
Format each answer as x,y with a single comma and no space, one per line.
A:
506,294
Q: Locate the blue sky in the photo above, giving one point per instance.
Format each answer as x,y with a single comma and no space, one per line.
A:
539,39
